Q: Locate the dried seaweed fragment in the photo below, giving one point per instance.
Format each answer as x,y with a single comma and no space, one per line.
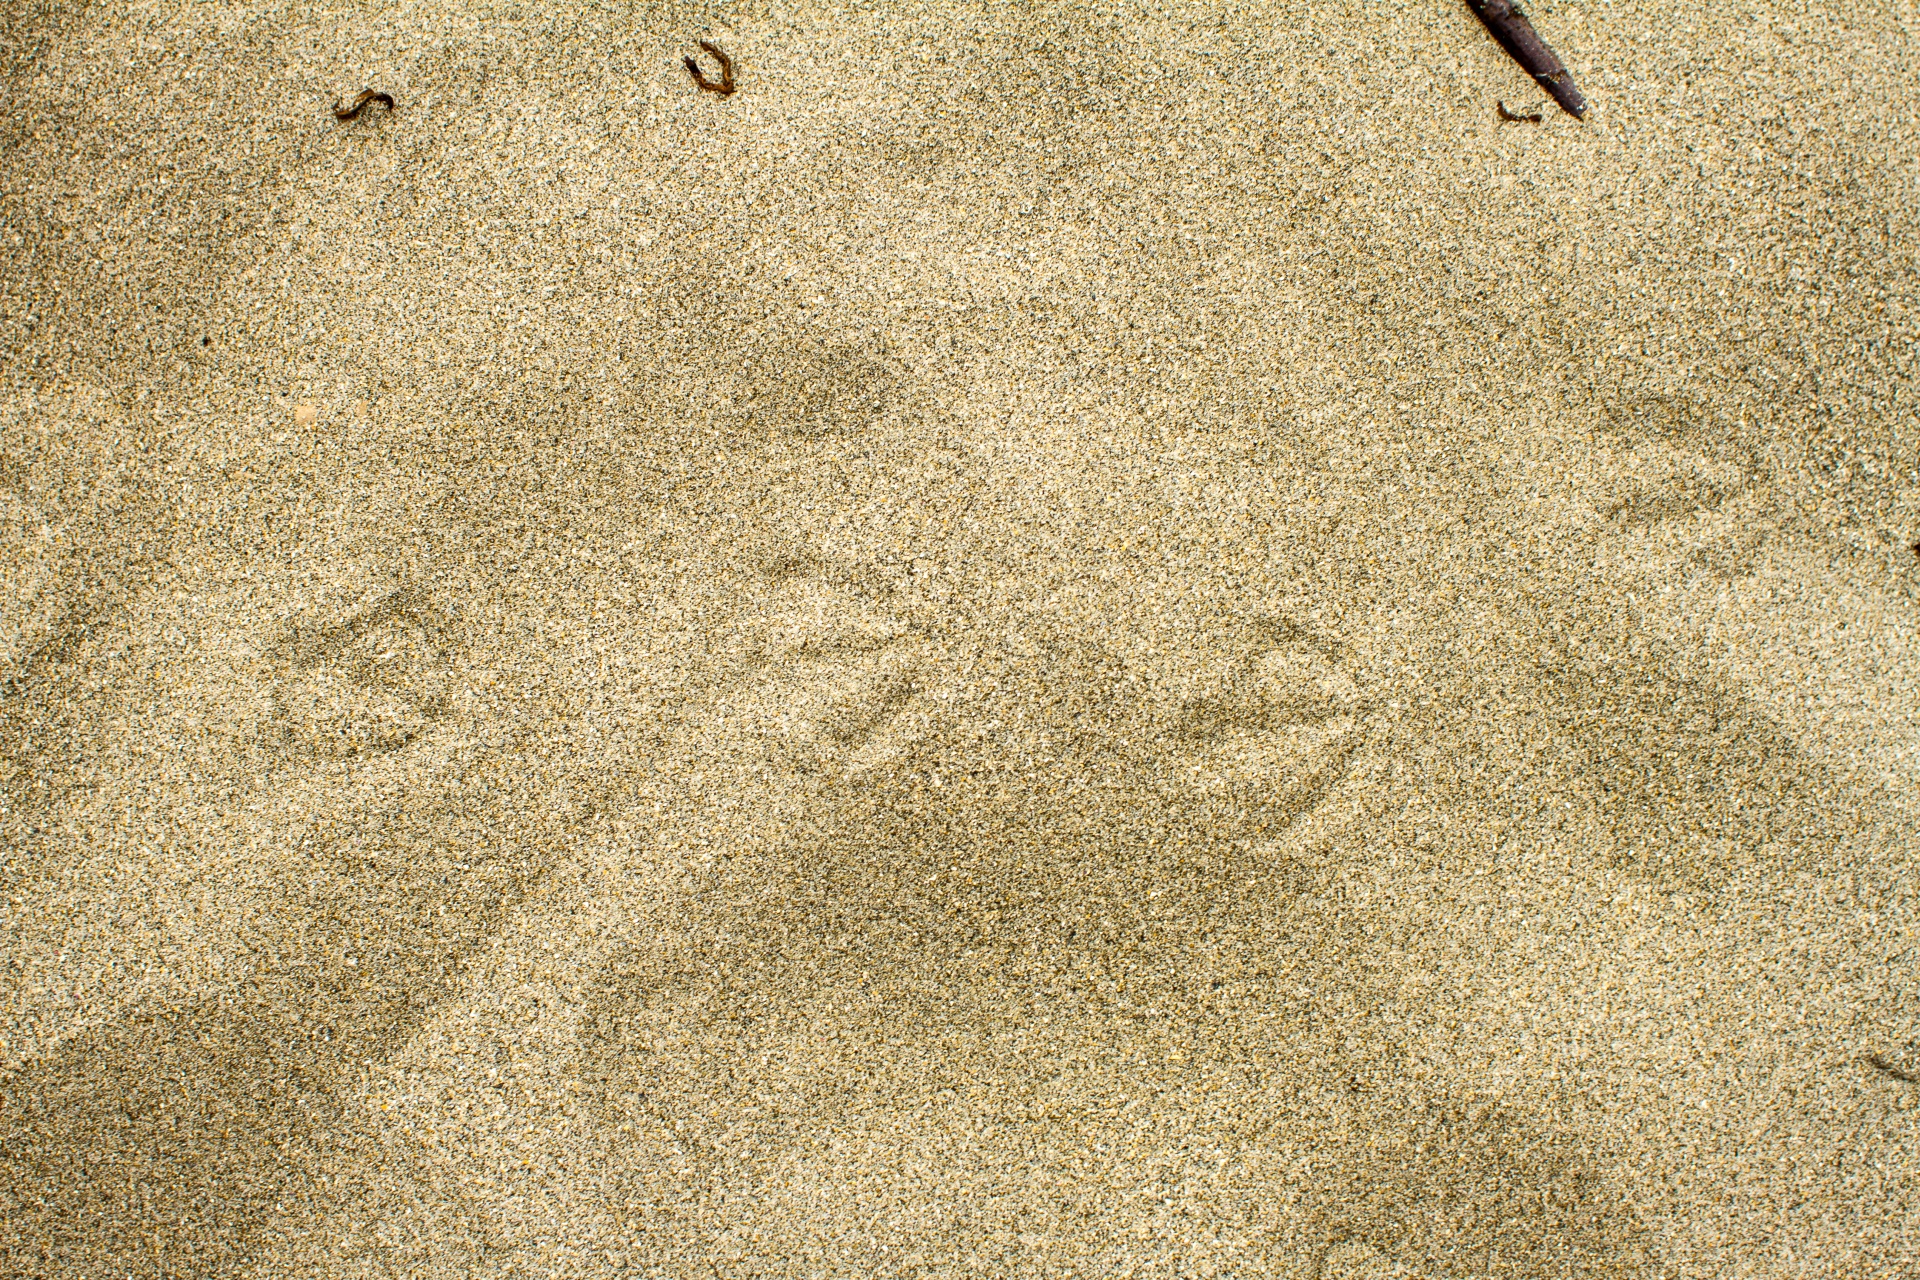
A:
724,85
1517,36
360,104
1531,117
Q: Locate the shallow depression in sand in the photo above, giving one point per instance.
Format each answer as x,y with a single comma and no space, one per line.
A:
1043,642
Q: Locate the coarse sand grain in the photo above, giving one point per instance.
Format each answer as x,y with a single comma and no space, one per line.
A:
1052,640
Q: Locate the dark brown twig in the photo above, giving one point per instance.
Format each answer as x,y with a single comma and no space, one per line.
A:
360,104
1516,35
725,84
1531,117
1879,1063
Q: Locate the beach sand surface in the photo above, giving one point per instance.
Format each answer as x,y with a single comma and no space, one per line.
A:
1054,640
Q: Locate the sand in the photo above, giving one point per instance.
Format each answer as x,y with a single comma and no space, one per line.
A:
1053,641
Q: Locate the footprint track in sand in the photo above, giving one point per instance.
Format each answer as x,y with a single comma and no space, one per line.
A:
1269,730
367,684
830,703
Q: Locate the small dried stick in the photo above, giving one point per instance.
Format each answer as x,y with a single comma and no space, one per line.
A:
1516,35
1531,117
725,84
360,104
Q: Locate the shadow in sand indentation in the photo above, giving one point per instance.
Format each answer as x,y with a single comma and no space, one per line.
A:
948,978
810,388
1461,1189
1692,778
994,934
159,1144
